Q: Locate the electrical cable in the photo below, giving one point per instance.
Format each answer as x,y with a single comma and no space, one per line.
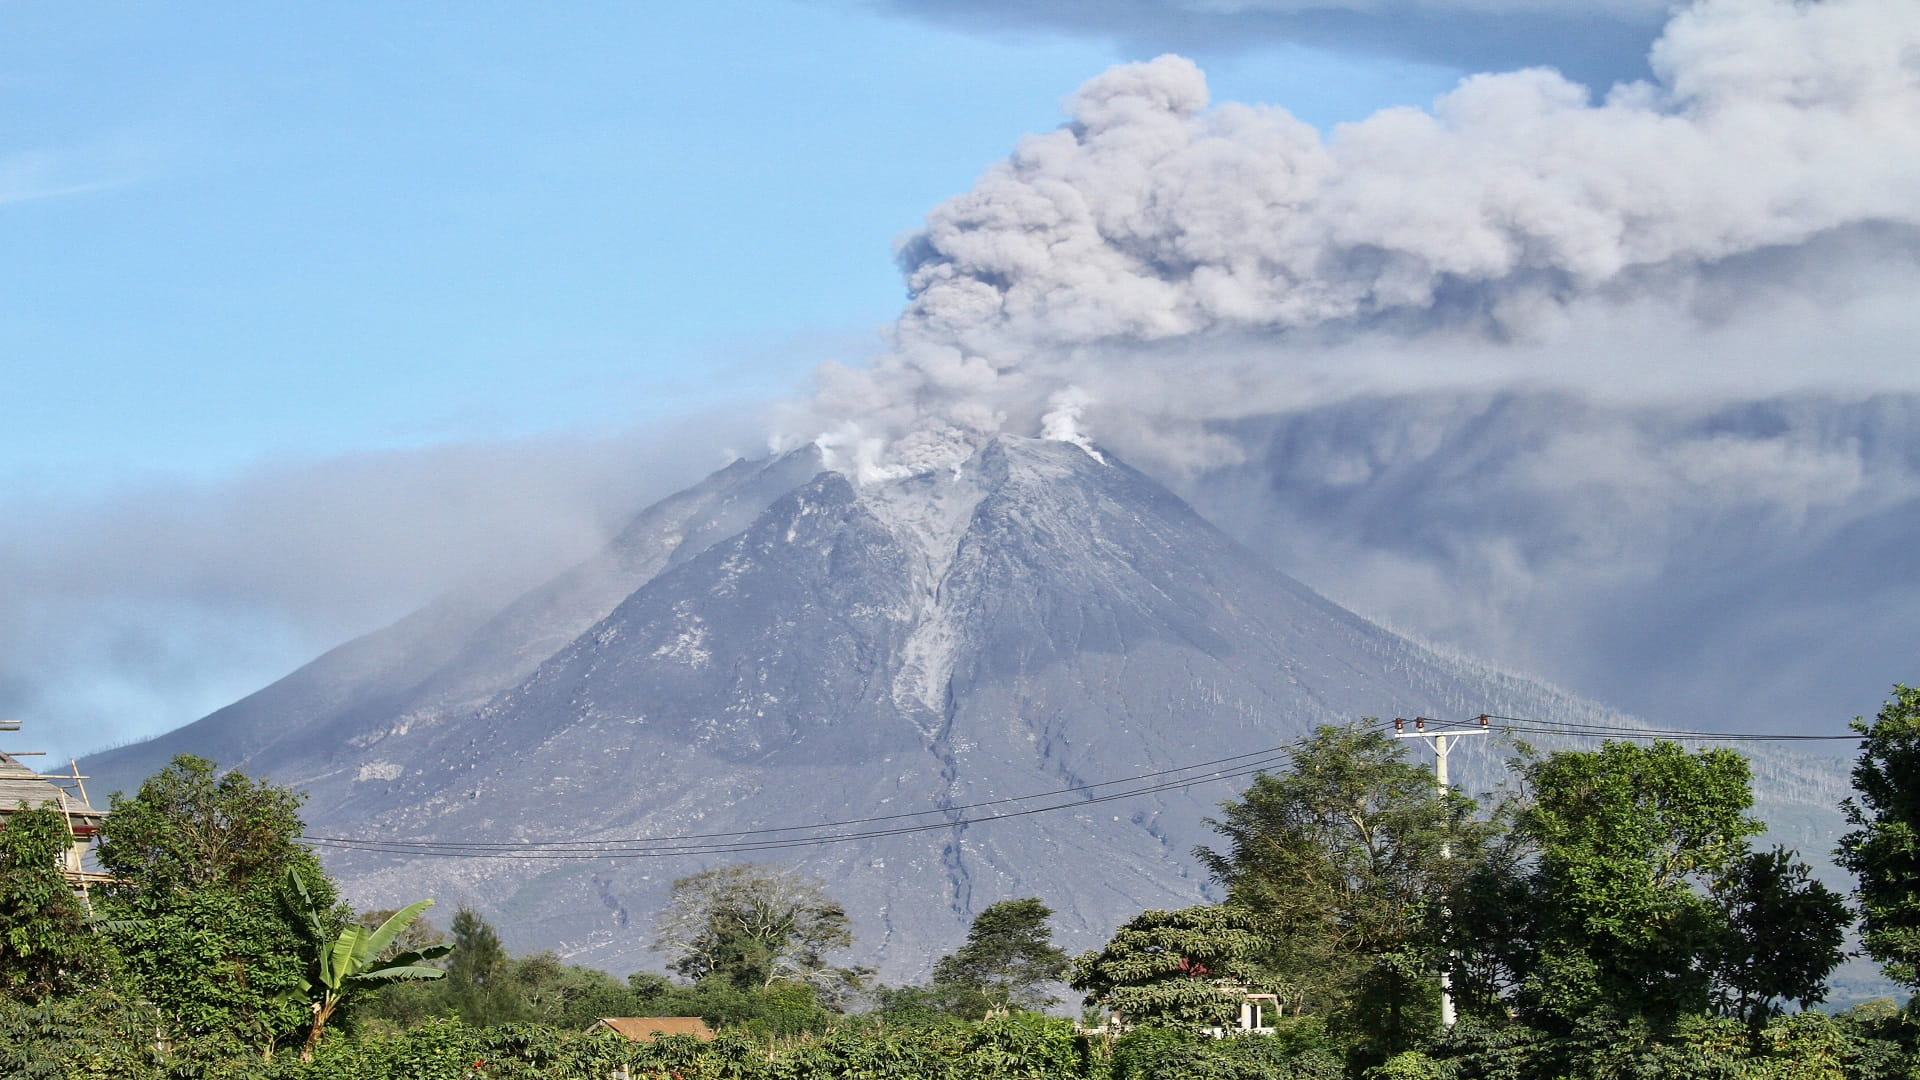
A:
663,846
535,852
1597,730
774,839
1266,756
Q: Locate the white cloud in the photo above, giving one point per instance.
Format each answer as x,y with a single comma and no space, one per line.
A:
140,610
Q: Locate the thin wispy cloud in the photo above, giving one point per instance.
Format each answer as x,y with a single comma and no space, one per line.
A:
139,610
34,175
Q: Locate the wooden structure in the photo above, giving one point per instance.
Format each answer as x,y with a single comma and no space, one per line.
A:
649,1028
22,788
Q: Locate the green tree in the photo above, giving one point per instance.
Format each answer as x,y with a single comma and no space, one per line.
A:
477,985
549,991
1007,962
192,827
46,946
357,959
1883,850
1493,932
1643,899
1345,854
1646,890
1168,967
753,926
200,908
1782,933
783,1009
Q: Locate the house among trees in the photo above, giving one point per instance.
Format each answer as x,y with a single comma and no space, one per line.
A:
1256,1013
22,788
1253,1014
649,1028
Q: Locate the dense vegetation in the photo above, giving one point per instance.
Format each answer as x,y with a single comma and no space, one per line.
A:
1608,918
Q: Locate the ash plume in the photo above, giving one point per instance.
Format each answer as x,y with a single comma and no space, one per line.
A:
1164,253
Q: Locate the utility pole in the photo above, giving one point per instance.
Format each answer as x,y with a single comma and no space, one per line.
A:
1441,741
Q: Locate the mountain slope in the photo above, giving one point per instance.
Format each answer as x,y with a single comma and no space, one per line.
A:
793,648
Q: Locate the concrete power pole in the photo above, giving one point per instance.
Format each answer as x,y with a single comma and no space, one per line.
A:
1441,740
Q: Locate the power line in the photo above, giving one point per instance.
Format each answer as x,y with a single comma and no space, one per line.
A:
656,847
627,852
1596,730
776,839
1271,753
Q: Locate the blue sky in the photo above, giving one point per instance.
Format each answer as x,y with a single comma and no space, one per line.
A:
235,233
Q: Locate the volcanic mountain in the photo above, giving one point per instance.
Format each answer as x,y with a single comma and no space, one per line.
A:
781,646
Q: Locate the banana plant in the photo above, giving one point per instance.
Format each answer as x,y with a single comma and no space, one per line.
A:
352,960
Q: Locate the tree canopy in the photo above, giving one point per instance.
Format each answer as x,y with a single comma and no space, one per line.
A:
1163,966
191,827
477,975
1348,854
752,925
1630,836
1883,850
1781,934
203,917
1008,960
46,946
1647,899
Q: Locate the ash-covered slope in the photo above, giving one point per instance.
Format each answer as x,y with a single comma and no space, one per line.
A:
1038,619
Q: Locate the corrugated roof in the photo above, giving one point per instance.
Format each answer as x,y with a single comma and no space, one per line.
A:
19,784
648,1028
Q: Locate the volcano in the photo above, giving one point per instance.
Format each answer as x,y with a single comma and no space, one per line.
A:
781,646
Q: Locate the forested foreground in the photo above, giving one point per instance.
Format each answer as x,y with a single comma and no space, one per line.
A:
1608,917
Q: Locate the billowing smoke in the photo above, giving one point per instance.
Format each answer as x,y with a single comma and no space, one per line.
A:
1617,388
1516,221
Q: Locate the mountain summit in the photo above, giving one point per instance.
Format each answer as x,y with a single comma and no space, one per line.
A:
779,647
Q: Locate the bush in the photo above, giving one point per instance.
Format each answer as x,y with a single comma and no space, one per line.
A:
77,1037
1410,1065
1157,1053
1025,1045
